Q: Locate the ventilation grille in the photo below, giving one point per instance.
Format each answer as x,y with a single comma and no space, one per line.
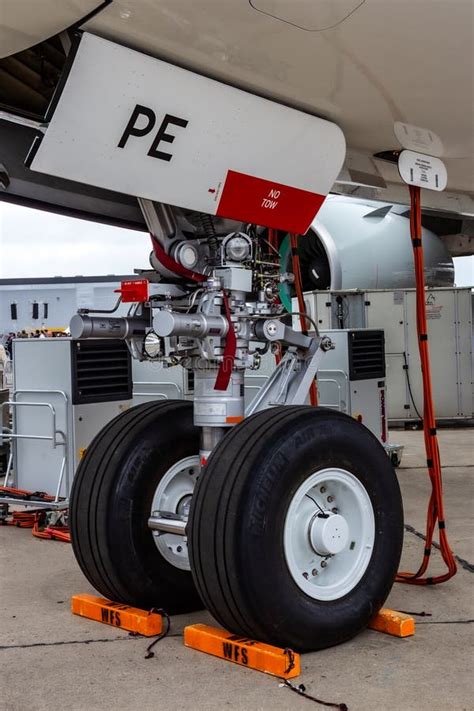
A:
366,355
101,371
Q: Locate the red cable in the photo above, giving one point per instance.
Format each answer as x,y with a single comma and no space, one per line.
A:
228,357
23,494
172,265
273,241
295,261
436,505
227,365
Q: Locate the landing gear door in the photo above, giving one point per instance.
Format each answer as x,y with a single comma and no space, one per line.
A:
137,125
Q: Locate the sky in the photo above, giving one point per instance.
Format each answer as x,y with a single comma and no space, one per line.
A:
35,243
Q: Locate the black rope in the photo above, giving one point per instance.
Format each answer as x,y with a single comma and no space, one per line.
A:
324,515
149,654
409,385
291,659
301,690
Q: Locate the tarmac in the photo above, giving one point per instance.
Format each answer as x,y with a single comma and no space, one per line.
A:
52,659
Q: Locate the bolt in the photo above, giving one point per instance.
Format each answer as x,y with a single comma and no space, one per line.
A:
179,549
322,489
330,499
314,572
335,510
323,563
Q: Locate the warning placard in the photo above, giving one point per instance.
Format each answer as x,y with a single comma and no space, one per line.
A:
131,123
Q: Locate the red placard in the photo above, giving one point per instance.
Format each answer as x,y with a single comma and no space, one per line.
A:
267,203
133,290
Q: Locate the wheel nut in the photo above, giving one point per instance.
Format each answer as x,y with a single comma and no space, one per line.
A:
335,510
323,564
330,499
314,572
322,489
306,576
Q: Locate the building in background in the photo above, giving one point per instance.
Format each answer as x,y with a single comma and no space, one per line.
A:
49,303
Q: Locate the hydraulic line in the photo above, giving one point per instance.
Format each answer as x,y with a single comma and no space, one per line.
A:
228,359
435,511
207,226
295,261
174,266
273,242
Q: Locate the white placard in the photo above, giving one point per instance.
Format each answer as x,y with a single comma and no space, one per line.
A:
416,138
131,123
423,171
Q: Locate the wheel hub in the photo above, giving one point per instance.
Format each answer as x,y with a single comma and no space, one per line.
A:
328,550
329,533
173,496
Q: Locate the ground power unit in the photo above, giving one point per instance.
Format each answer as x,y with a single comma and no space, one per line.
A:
64,392
450,332
355,381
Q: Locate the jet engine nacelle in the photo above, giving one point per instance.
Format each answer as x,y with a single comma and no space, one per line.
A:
359,244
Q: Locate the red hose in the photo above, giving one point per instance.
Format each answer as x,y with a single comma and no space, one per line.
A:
295,260
436,504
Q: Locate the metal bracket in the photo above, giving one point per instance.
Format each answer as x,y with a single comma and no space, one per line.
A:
291,380
159,219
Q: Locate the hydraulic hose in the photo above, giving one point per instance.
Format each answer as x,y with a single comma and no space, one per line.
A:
295,261
435,511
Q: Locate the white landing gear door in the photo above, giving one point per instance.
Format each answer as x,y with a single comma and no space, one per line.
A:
127,122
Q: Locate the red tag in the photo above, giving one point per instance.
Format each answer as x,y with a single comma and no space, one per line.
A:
264,202
133,290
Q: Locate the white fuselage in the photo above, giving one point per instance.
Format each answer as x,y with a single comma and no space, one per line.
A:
364,64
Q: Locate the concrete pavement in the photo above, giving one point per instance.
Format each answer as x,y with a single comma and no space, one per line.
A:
50,658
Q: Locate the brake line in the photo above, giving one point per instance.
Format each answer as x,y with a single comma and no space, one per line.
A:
226,367
295,261
435,511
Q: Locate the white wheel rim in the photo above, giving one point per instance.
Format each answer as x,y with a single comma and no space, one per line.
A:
172,494
329,534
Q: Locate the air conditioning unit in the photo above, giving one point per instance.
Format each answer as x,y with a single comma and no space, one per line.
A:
352,378
450,332
64,392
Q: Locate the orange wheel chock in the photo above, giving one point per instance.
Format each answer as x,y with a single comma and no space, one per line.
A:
243,650
125,617
392,622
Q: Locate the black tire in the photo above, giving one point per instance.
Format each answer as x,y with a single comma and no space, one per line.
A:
237,521
111,501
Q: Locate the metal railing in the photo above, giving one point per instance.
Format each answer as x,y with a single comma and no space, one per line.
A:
58,438
162,395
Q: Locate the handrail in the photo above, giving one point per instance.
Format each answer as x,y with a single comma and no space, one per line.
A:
14,403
